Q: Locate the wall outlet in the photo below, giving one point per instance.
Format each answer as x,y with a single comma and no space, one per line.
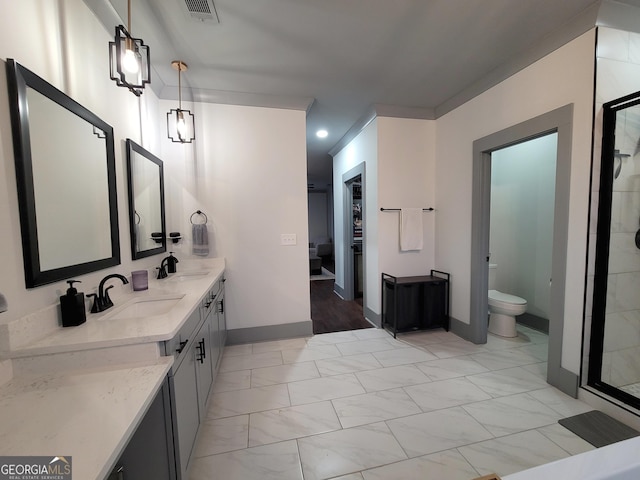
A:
288,239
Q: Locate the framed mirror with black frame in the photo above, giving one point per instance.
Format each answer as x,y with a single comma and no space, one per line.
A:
614,355
66,181
145,181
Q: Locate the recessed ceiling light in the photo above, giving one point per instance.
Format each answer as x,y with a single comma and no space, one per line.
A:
322,133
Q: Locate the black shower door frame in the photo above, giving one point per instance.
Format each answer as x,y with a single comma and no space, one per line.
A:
603,240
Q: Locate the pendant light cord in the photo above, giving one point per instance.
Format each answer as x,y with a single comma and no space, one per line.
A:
129,16
179,86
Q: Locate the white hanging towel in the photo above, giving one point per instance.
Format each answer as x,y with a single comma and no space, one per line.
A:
410,229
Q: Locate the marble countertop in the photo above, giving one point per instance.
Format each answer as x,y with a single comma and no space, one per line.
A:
89,415
101,331
91,412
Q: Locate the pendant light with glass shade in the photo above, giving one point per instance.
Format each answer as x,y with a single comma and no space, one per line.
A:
180,122
129,60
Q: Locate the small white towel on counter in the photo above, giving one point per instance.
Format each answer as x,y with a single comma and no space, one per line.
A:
411,229
200,239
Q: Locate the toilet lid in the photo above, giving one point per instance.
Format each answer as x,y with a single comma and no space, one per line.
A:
506,298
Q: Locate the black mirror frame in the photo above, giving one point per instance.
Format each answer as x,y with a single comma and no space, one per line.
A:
18,79
135,254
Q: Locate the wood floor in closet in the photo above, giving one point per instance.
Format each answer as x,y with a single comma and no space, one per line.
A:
330,313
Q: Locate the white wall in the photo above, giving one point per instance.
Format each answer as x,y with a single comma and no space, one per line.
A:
564,76
406,172
247,172
66,45
523,179
400,173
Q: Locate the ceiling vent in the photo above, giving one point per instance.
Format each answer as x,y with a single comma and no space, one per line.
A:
201,10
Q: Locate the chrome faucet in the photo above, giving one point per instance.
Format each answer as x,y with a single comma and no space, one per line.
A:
102,301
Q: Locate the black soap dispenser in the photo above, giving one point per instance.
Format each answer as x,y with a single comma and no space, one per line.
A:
171,263
72,306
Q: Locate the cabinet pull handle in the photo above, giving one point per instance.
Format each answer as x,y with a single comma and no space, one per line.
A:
221,304
201,353
117,473
206,305
182,345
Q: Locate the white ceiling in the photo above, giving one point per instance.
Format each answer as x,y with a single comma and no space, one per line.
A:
339,58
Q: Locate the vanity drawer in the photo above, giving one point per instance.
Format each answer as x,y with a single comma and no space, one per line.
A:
178,345
208,303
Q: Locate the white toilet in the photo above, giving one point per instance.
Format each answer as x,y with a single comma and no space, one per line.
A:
503,308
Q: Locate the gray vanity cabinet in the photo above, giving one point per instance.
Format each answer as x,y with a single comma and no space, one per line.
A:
186,348
197,350
222,323
209,314
204,371
218,333
149,453
185,416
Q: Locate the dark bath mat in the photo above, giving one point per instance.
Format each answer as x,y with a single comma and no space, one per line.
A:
598,428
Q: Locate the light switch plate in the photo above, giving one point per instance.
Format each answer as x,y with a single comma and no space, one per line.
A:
288,239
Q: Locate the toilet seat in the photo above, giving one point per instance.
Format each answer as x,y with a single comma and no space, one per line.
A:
497,299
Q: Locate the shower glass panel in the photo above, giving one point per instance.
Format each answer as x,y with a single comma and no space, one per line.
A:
614,361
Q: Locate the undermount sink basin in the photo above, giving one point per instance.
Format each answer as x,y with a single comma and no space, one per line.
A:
146,307
186,276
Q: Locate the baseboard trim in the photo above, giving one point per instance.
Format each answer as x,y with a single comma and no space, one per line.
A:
561,378
463,330
372,317
537,323
338,290
269,332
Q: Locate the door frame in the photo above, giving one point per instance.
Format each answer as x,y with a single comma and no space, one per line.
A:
347,216
560,121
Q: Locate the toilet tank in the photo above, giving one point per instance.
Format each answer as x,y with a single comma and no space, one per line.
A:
492,276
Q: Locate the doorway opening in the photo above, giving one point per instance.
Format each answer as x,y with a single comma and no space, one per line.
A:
355,188
523,179
354,234
558,121
331,312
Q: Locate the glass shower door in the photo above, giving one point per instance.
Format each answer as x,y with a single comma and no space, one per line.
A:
614,360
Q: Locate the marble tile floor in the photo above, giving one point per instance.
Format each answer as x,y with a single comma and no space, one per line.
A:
633,389
361,405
